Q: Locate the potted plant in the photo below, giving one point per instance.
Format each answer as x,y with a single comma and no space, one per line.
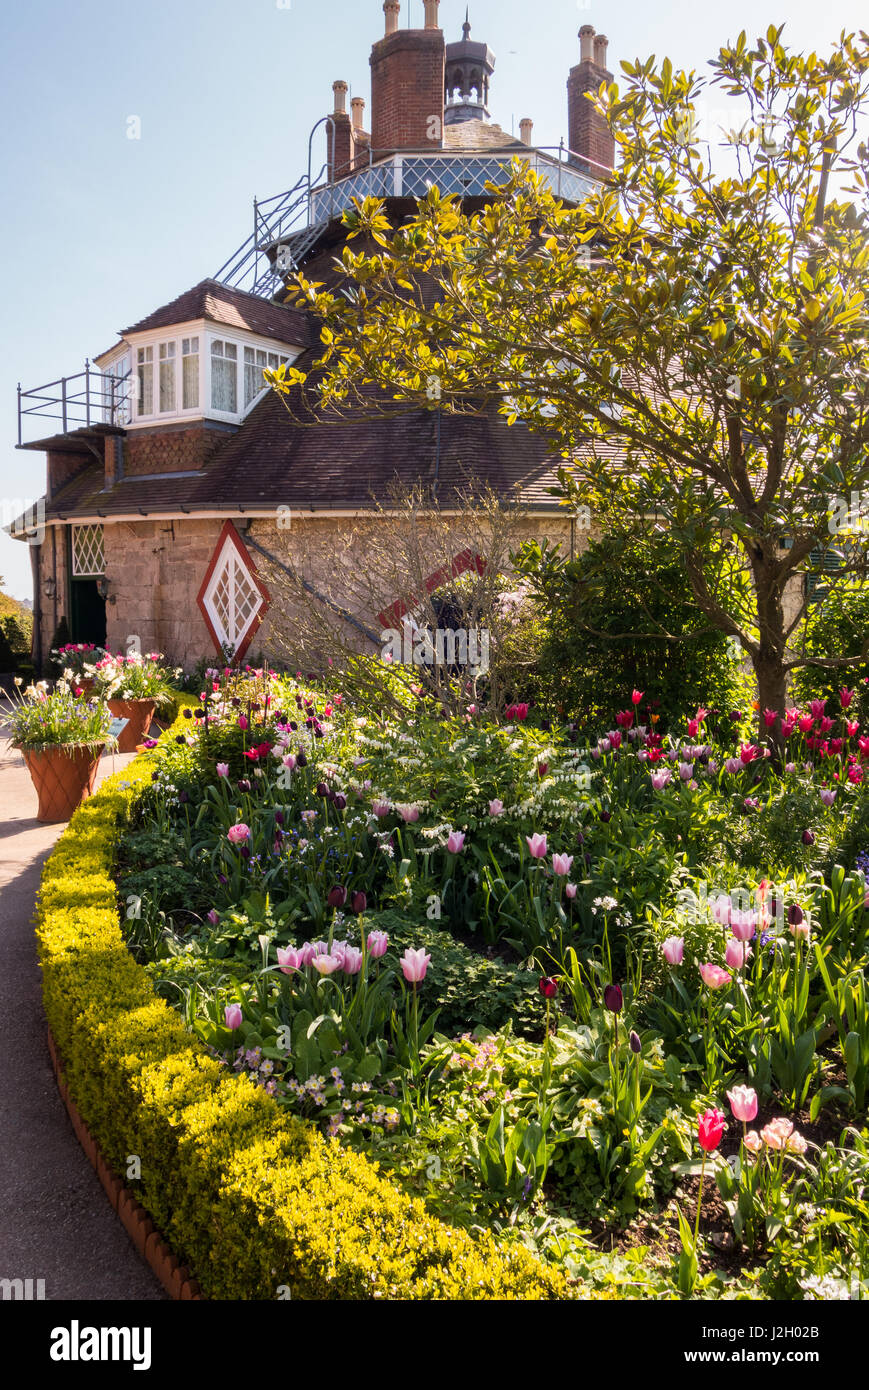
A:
60,736
76,662
134,687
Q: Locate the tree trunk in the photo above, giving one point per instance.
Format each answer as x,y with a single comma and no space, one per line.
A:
768,659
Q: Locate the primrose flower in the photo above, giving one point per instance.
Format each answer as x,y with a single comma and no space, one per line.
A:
414,965
232,1014
561,864
743,1103
237,834
455,841
537,846
673,950
710,1129
714,976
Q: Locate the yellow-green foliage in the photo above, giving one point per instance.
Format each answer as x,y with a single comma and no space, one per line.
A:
251,1199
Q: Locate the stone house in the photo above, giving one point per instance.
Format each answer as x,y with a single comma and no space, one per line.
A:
175,476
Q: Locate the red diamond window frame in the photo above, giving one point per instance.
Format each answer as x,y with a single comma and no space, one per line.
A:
230,533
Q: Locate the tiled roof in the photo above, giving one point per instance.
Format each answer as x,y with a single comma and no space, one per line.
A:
333,463
478,135
233,308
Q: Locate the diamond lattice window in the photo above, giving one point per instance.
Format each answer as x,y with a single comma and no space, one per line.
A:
88,556
231,599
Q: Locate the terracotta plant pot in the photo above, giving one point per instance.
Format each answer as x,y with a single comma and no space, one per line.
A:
63,778
85,686
139,713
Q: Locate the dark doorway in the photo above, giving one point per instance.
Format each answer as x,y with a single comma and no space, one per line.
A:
87,612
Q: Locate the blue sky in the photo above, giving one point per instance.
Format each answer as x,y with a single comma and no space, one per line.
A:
100,229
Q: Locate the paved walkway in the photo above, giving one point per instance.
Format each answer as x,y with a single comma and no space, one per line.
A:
56,1223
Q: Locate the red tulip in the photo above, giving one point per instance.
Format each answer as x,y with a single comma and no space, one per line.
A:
710,1128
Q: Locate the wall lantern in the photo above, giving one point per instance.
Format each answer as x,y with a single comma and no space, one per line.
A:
49,588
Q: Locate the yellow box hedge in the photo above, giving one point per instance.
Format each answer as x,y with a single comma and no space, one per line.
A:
254,1201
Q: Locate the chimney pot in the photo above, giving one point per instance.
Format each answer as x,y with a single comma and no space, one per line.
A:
600,47
586,39
391,9
340,90
431,14
526,125
357,106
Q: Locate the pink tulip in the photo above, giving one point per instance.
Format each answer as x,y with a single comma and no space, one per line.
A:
636,696
769,717
673,950
660,779
237,834
561,864
743,1103
380,809
713,976
721,909
455,841
223,769
570,890
733,765
232,1014
537,846
289,959
326,964
736,953
828,796
686,771
777,1133
753,1141
743,925
377,943
408,814
352,960
818,707
289,761
415,964
242,721
496,807
845,697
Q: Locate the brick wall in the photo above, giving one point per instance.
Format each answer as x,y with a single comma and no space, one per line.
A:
62,467
407,89
587,131
173,449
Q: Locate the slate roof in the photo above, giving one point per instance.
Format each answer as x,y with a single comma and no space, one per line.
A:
235,309
478,135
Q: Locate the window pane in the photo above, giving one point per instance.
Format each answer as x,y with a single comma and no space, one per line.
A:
167,384
146,387
223,385
190,380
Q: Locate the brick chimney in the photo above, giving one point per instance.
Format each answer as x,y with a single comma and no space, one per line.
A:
343,136
526,125
407,83
587,133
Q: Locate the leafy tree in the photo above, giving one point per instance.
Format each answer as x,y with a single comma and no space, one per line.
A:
695,338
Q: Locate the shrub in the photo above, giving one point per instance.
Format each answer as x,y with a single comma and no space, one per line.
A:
622,616
837,628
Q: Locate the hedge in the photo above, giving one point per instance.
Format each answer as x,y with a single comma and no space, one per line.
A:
258,1204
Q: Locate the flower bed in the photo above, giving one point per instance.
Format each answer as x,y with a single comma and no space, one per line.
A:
540,984
257,1204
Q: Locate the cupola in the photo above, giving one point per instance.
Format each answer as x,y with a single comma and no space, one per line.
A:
469,67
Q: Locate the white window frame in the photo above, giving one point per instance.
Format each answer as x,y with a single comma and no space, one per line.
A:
73,537
229,553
